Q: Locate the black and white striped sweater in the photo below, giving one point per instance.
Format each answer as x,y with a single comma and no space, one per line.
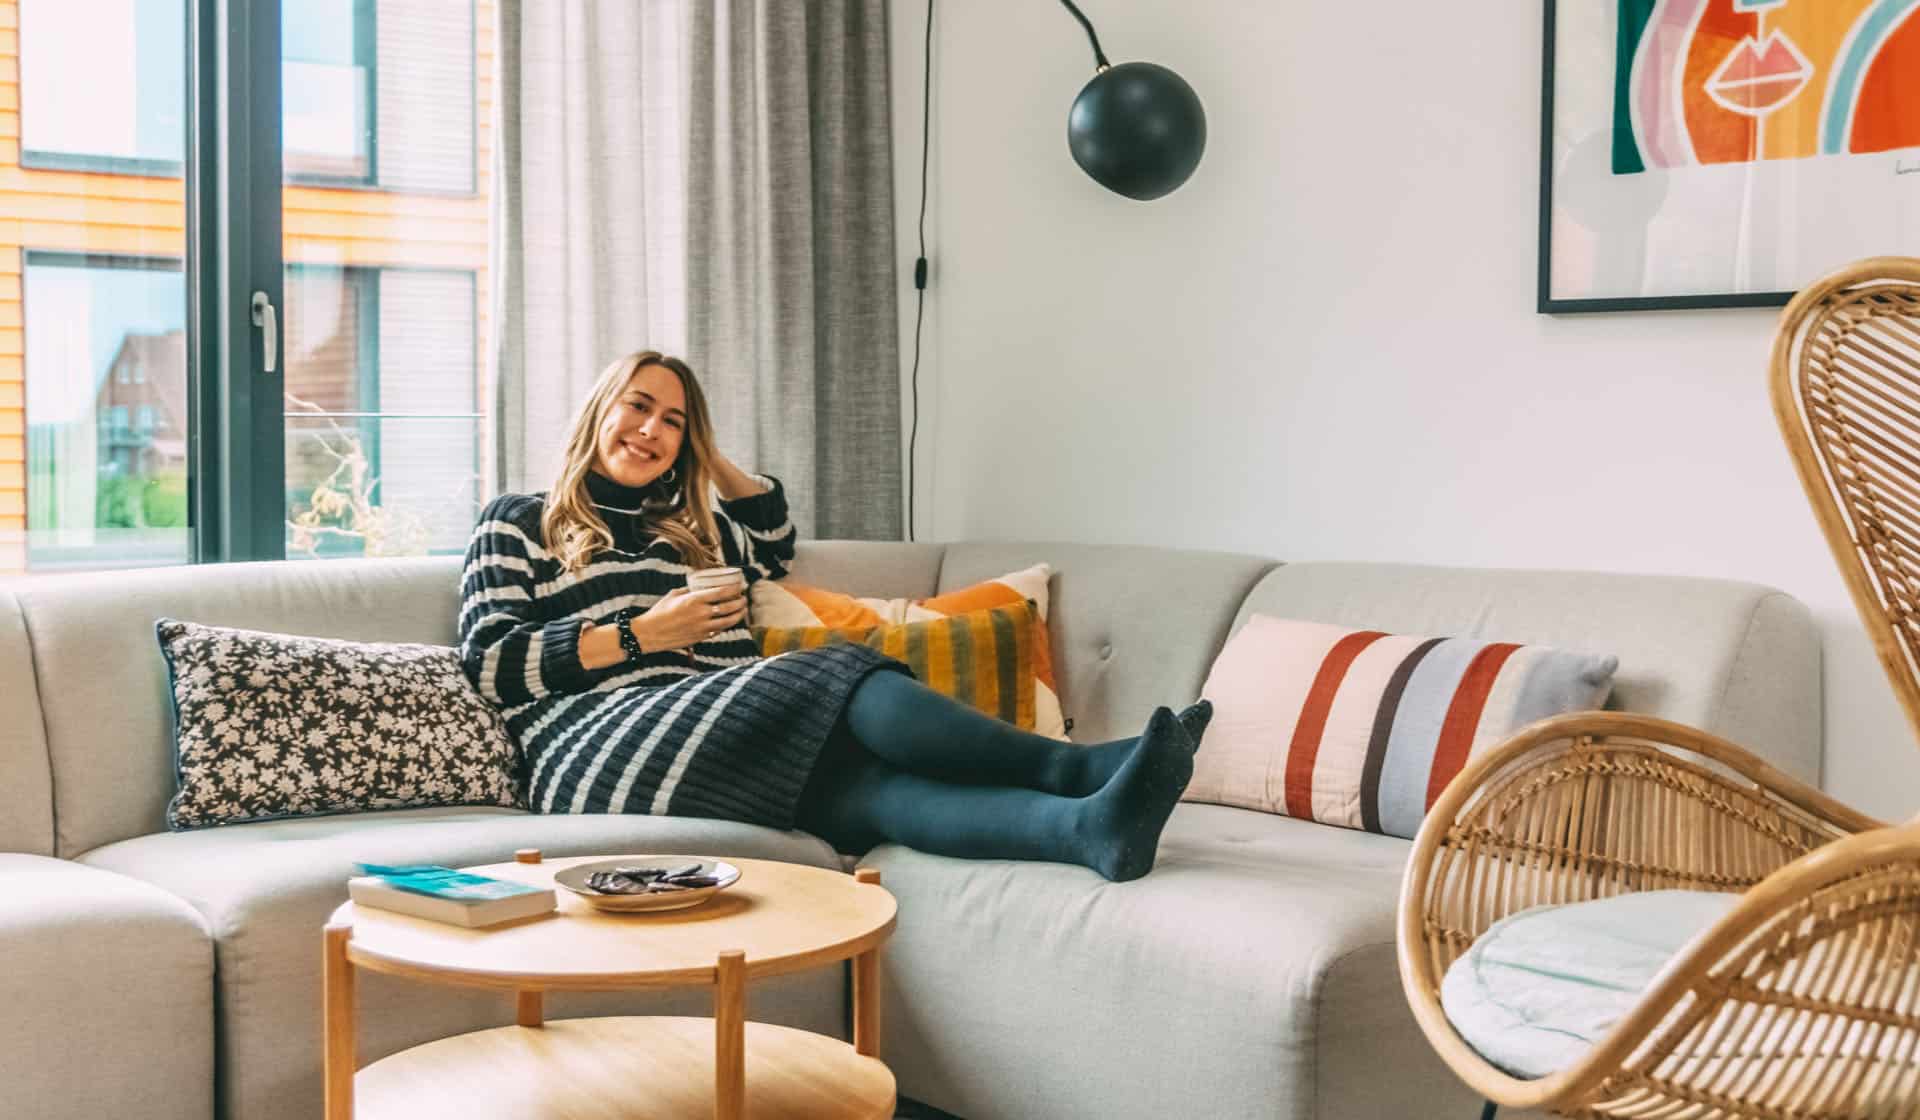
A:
712,730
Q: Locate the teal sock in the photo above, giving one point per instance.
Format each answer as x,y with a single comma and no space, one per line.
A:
1194,719
903,722
1122,824
1087,770
857,799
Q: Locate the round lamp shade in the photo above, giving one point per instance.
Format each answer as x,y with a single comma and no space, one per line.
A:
1138,129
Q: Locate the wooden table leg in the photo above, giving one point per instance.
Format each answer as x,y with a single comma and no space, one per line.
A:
866,1003
532,1009
338,1055
730,1037
866,988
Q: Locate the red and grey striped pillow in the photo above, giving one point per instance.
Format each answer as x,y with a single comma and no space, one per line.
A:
1363,729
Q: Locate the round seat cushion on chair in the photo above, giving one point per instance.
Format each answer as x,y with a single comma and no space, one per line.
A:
1540,987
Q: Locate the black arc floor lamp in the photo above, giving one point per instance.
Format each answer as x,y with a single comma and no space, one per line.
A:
1137,128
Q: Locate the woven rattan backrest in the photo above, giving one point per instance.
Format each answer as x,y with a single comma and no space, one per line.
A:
1846,390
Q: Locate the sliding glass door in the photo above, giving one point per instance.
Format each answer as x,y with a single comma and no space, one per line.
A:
243,249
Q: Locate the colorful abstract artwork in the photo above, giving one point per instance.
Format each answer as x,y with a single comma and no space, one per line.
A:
1723,153
1741,81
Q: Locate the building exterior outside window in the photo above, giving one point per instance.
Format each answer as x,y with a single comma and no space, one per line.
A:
385,238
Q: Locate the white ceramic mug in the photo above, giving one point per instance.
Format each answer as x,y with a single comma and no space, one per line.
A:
706,578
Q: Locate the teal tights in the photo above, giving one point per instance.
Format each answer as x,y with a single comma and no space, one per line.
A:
910,765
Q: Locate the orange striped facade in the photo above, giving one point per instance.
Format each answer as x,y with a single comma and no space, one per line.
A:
98,212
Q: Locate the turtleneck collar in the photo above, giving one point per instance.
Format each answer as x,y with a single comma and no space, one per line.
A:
608,494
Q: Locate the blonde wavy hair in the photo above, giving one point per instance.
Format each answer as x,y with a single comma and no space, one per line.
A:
680,511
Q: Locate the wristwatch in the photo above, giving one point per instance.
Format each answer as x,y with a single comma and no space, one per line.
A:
629,641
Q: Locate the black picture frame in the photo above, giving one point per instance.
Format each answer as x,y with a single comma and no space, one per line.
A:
1544,302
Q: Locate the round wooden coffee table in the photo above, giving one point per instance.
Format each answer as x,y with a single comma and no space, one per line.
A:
779,918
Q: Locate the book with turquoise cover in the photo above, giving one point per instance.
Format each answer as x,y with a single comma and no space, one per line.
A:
445,882
444,894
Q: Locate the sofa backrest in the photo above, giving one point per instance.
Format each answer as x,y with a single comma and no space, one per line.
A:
1736,659
1131,628
26,781
874,569
103,684
104,769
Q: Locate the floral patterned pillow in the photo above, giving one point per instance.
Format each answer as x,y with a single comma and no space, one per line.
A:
272,725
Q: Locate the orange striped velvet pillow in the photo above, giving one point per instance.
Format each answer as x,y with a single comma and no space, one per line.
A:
984,658
1363,729
785,603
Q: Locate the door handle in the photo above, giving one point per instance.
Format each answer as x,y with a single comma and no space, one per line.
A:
263,317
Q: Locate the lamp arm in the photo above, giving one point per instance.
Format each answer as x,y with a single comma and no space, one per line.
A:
1099,57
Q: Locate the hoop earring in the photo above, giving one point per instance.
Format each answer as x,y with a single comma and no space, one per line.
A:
670,477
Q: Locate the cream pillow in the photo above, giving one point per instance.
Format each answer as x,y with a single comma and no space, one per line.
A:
1363,729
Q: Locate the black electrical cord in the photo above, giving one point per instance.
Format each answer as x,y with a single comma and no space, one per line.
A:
1099,56
920,263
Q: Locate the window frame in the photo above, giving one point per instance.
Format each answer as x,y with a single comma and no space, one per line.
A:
237,440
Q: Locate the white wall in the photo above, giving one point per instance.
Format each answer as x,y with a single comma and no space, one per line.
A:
1324,345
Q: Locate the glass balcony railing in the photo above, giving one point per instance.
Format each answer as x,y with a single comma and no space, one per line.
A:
381,484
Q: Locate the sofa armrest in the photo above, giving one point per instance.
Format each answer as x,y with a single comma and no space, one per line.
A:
106,995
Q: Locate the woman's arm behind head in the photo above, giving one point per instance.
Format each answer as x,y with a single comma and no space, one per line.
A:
756,533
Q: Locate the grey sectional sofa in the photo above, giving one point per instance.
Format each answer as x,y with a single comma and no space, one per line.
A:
168,976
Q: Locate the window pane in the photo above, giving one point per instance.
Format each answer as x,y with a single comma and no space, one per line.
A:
386,274
380,93
94,419
426,63
128,114
326,87
106,411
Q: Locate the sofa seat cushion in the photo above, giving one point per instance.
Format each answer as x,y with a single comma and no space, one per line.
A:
1256,960
266,889
109,982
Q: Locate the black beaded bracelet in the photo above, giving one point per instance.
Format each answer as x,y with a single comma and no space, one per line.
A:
629,641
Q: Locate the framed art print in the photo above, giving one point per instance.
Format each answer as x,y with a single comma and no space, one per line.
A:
1723,153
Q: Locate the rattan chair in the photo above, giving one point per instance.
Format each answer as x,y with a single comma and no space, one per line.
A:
1802,1002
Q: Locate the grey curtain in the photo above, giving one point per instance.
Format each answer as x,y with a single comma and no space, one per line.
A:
711,178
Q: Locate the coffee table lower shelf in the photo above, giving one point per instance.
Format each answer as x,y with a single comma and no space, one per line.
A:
628,1067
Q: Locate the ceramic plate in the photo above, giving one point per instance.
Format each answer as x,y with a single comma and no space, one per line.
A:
575,879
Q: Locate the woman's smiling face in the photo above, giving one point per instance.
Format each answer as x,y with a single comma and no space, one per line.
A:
641,434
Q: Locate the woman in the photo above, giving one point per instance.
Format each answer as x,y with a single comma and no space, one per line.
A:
629,693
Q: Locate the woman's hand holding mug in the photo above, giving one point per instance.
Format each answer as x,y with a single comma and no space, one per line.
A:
686,617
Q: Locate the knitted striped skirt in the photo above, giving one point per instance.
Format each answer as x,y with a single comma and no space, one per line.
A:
737,744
